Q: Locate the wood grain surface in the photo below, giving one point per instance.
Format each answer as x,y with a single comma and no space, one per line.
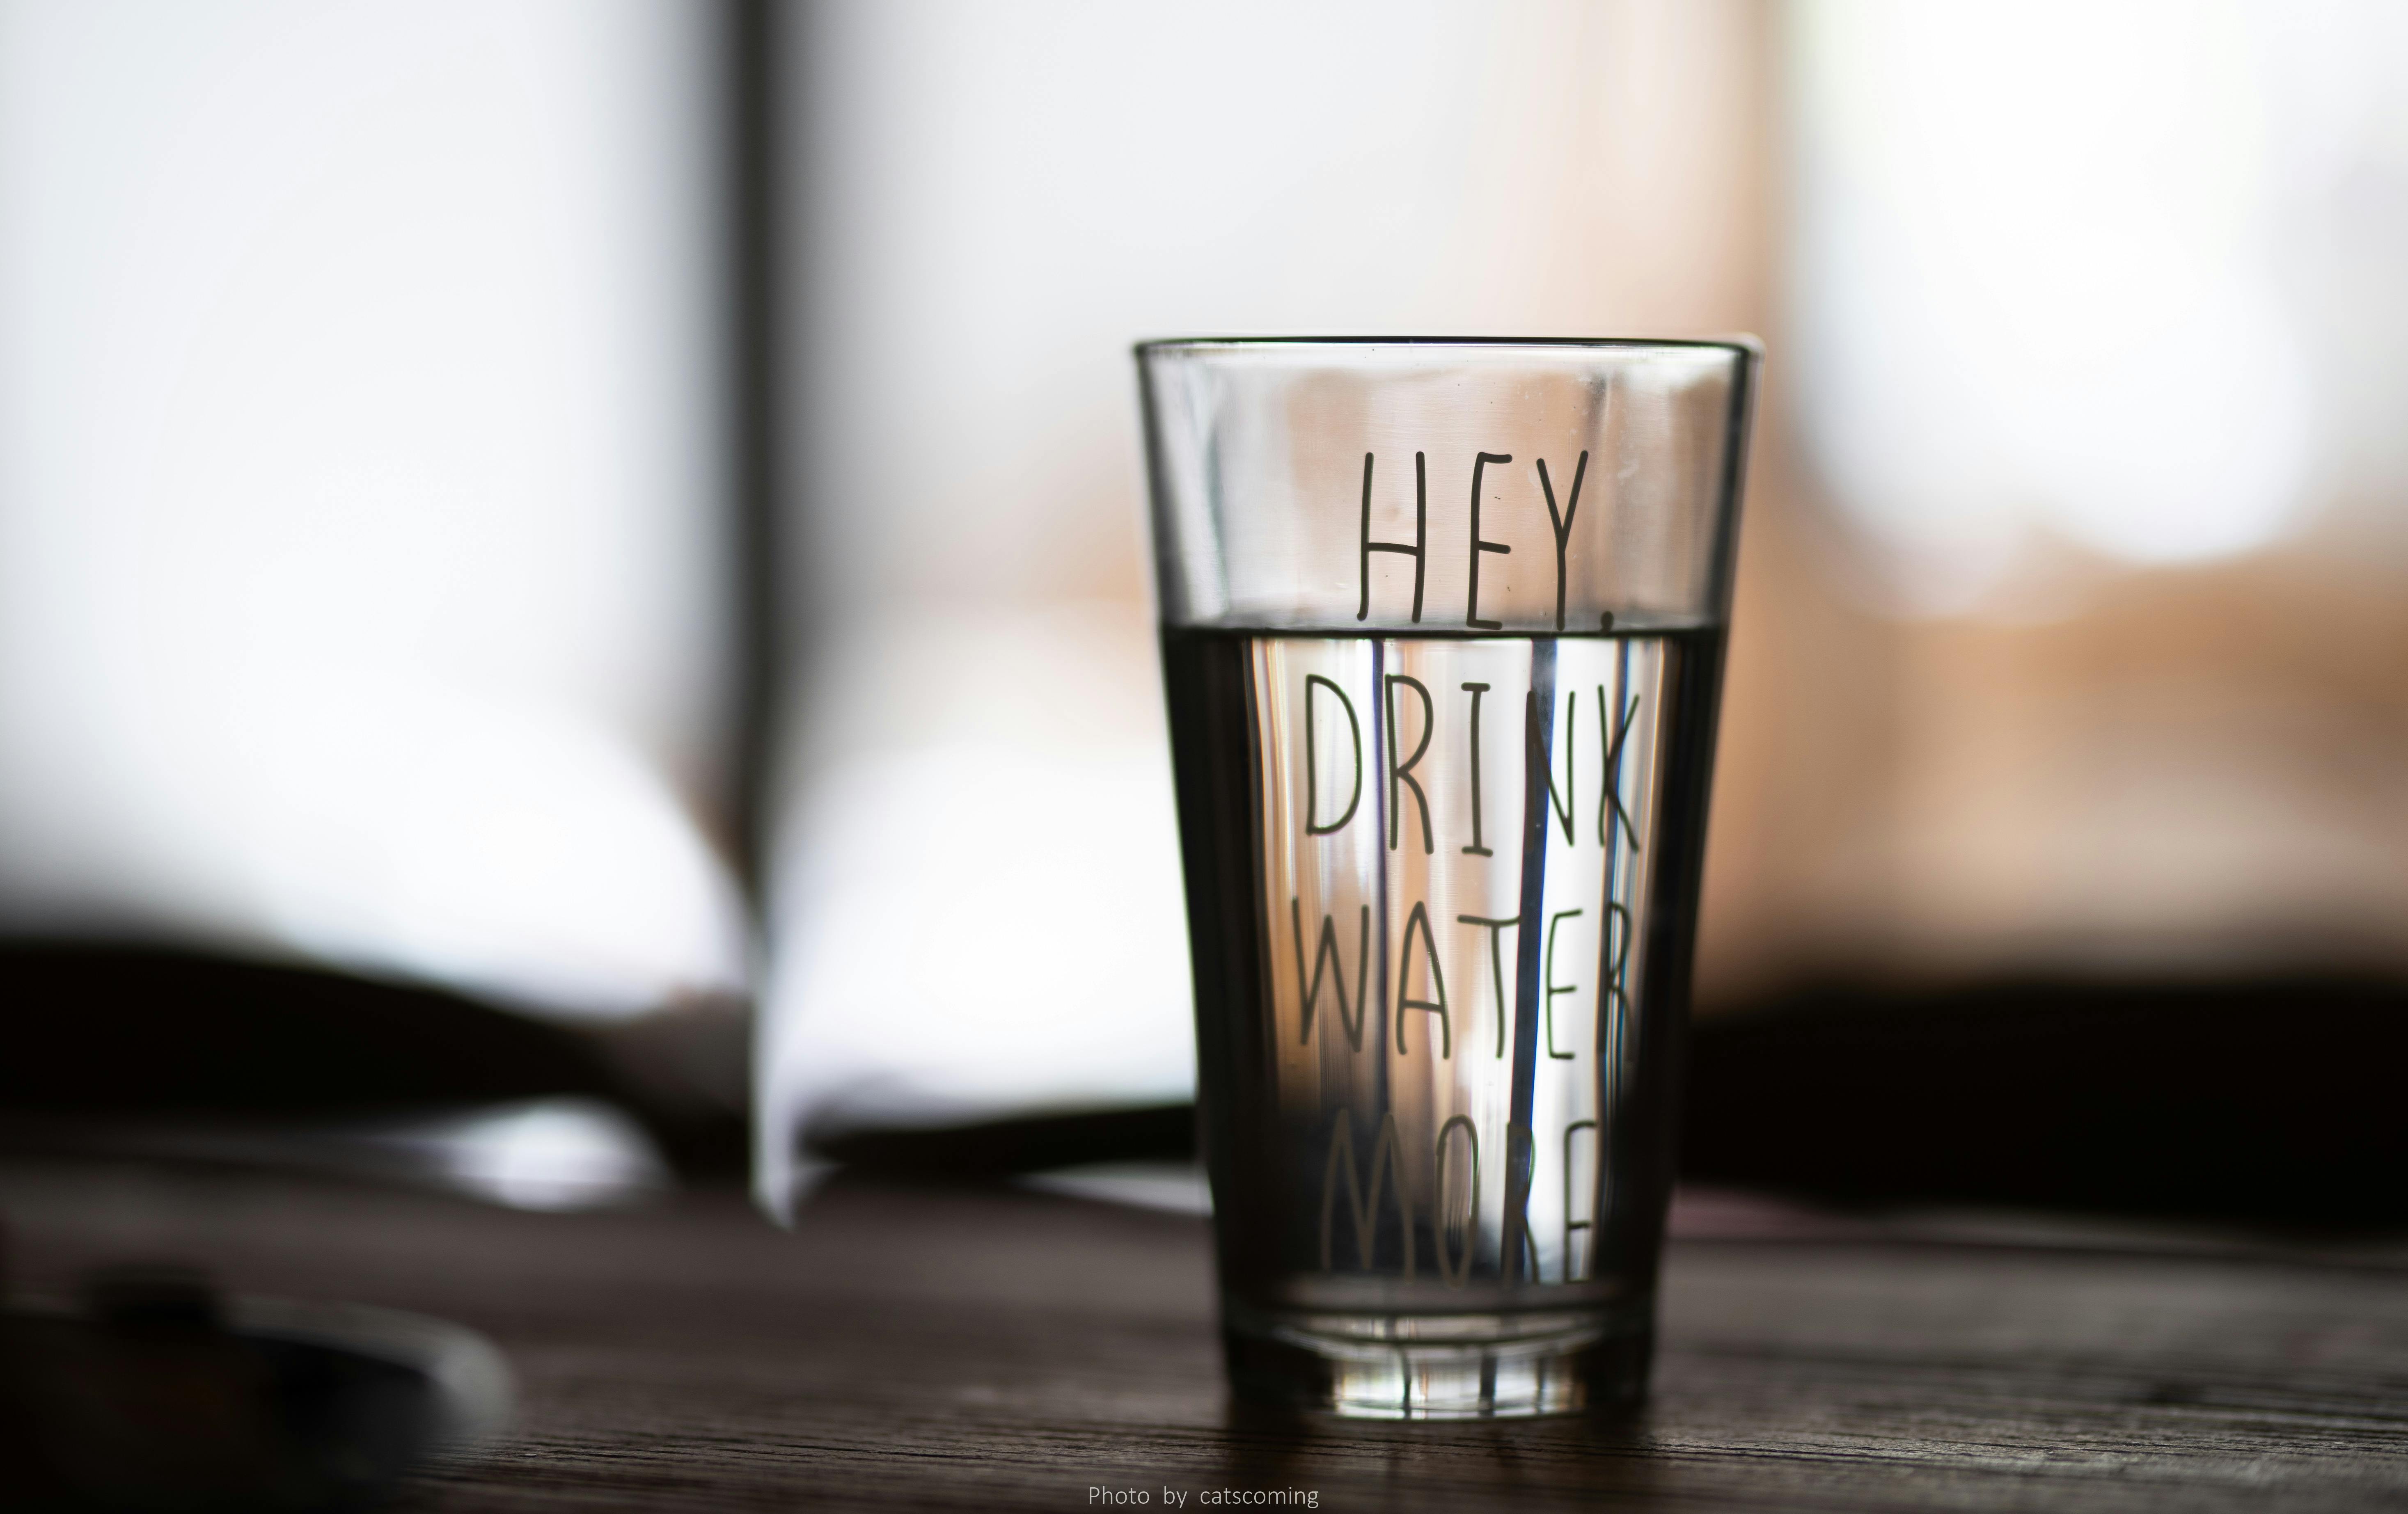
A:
997,1348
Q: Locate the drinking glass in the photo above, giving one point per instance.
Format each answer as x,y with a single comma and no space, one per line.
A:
1442,629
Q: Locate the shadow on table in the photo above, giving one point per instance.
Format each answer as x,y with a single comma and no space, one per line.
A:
2266,1101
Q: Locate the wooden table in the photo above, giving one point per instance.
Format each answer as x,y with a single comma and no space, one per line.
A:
997,1348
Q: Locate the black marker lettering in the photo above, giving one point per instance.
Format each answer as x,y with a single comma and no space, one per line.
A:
1312,764
1421,536
1471,605
1419,920
1496,968
1554,988
1403,772
1615,955
1521,1165
1571,1224
1563,524
1613,771
1476,850
1562,802
1387,1160
1349,1015
1453,1273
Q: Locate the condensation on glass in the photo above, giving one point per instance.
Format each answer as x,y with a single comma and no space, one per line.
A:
1442,629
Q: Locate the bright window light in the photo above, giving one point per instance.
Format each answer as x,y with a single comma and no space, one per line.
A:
2047,272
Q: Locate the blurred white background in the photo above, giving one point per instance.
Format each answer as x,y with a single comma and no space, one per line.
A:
2096,354
2067,639
359,516
365,478
2105,277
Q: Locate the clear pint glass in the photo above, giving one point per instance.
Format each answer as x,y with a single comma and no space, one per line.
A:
1442,629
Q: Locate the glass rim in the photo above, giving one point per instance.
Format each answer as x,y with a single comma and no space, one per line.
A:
1743,344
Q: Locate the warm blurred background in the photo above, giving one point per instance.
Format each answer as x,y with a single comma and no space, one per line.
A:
482,487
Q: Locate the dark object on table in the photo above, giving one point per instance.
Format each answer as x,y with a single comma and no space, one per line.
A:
1005,1148
103,1031
2258,1101
158,1394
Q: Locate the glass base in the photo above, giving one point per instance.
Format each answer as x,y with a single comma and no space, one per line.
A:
1397,1366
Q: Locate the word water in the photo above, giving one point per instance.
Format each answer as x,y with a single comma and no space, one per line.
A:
1436,889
